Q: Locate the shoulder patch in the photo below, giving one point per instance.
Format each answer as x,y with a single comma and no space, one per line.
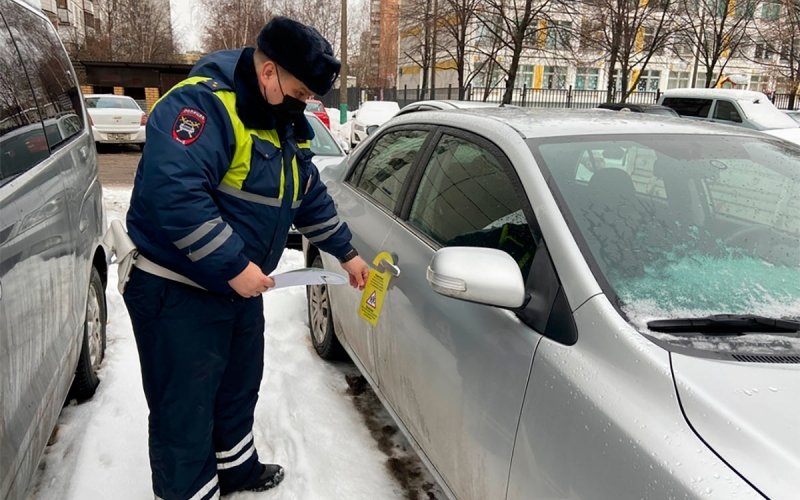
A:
188,126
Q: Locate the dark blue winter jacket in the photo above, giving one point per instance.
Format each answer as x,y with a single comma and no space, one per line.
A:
221,180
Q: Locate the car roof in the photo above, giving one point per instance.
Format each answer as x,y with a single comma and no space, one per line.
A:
715,93
560,122
109,95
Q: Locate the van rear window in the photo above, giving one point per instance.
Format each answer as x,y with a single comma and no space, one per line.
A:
689,106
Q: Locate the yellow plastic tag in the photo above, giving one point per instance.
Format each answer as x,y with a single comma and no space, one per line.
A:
375,290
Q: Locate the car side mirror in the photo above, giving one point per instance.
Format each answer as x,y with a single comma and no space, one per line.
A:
476,274
345,145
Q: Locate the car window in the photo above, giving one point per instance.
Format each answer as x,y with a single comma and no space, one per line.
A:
314,106
688,106
727,111
466,198
49,72
323,143
22,140
109,102
385,170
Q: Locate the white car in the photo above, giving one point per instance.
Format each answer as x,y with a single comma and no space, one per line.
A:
116,119
741,108
370,116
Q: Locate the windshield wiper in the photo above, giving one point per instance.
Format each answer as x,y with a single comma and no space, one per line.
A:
725,324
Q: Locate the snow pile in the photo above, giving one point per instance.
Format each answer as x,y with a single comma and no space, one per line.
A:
305,418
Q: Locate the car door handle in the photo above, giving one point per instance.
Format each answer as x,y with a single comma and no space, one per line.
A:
84,152
385,266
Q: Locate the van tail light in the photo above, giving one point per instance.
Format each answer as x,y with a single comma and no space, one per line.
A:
143,121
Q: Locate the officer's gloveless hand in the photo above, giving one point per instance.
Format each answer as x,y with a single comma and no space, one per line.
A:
358,270
251,282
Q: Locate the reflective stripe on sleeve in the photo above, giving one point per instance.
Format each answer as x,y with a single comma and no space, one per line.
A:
322,225
212,245
327,234
198,233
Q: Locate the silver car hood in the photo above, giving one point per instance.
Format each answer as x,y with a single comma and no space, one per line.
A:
747,413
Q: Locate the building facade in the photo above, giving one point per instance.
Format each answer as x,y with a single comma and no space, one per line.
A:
74,19
559,57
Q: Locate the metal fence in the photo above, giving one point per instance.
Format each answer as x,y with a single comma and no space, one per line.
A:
529,97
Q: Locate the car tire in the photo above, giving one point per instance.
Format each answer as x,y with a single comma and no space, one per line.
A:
320,320
93,345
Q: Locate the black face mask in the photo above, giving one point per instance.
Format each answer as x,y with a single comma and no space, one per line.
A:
290,109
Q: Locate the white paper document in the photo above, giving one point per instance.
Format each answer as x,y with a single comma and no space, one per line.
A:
308,276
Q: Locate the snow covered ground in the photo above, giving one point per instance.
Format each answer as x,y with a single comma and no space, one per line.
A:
317,419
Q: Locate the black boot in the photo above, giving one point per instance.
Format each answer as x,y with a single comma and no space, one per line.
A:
270,477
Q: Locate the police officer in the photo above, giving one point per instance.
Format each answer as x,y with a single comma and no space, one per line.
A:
224,174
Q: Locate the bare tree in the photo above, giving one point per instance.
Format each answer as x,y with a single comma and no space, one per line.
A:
416,41
131,30
718,31
460,31
516,25
630,33
776,43
324,18
233,23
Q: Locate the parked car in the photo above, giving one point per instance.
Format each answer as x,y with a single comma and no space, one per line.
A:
433,105
318,109
561,326
327,152
368,117
742,108
794,115
653,109
116,119
52,265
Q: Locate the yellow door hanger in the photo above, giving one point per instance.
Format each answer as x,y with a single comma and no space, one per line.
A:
375,290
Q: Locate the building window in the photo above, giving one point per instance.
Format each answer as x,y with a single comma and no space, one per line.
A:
650,42
61,4
678,80
558,36
586,79
525,75
770,10
649,80
554,77
764,51
759,83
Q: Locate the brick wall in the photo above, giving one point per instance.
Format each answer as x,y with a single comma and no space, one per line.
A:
119,90
87,89
151,95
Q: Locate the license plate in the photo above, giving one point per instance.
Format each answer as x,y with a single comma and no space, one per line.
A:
119,137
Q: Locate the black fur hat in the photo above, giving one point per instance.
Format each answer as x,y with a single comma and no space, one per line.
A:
301,51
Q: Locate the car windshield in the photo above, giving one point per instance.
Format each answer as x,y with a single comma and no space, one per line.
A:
684,226
323,143
765,115
109,102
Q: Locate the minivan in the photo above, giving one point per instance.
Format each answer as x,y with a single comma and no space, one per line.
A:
742,108
52,264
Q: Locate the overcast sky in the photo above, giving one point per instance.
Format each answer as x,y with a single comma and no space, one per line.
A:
187,22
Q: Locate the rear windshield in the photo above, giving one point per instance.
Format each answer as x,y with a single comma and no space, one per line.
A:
110,103
314,106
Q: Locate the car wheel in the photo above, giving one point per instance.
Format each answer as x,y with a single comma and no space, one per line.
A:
93,346
320,320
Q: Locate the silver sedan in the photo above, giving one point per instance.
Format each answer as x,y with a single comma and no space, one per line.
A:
581,304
